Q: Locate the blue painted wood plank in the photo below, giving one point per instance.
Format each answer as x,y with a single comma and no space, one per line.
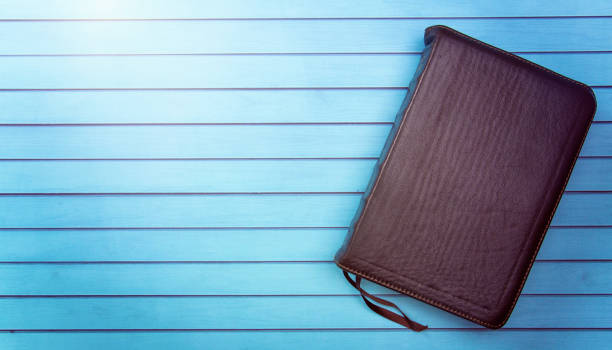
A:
577,277
591,174
297,36
306,175
178,211
287,210
576,243
247,71
595,210
264,106
604,104
218,141
592,145
279,312
311,175
253,279
73,9
336,339
315,244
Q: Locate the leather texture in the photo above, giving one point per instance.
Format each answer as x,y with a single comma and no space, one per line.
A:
469,179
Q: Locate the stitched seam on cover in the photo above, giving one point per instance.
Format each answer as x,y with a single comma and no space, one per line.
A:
415,295
533,256
426,287
567,177
540,240
497,49
546,70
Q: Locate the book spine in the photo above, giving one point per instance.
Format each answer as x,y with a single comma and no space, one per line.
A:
400,116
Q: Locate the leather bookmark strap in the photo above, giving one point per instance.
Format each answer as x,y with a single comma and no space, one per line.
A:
401,318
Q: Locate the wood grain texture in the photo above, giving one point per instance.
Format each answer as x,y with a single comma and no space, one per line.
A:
284,312
228,176
253,279
264,106
179,211
293,36
241,245
72,9
328,339
267,71
232,210
218,141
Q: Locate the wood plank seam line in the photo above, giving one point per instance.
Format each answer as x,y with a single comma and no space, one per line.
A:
294,18
119,262
193,159
220,158
552,52
331,329
127,296
289,88
40,194
217,124
199,124
229,228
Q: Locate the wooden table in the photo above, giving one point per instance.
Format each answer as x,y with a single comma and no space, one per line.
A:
179,175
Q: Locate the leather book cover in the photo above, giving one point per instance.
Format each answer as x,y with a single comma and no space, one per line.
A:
468,181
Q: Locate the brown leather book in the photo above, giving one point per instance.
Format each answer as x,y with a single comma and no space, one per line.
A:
468,181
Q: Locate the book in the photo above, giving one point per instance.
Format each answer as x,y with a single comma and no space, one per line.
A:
468,181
